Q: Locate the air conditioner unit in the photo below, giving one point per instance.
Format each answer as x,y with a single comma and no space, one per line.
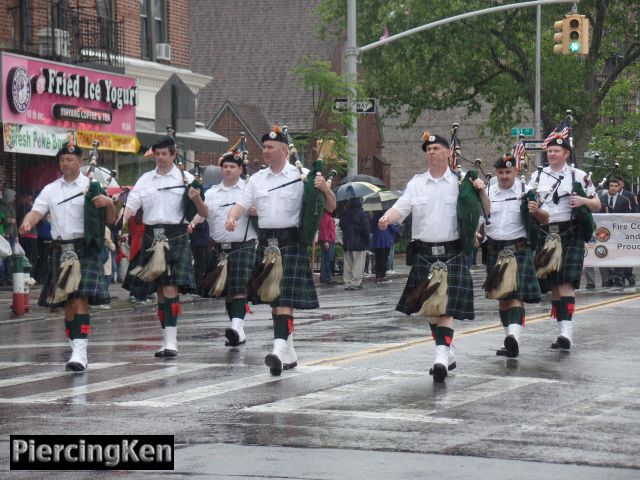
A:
53,42
163,51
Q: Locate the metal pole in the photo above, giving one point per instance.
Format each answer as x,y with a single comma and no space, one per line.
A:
351,53
537,128
462,16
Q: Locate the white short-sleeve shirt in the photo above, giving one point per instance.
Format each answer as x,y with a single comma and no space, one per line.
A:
279,208
562,211
67,219
159,206
432,202
220,200
506,220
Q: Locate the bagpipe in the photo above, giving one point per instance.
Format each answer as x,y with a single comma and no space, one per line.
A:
603,183
313,200
469,203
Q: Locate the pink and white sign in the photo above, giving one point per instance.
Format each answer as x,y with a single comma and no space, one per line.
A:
38,92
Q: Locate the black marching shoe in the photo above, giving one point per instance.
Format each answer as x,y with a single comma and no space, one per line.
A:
561,343
233,338
511,348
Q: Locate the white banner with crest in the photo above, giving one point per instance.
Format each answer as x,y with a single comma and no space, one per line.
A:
616,241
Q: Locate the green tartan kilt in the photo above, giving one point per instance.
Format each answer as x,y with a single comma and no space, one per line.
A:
528,289
460,292
571,264
240,265
297,289
93,282
181,268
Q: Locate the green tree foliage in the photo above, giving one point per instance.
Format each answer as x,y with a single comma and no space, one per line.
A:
328,125
616,134
491,58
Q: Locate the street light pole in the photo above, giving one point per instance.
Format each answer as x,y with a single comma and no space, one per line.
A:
351,53
536,109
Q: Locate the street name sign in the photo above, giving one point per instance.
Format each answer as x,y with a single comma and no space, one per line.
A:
526,131
368,105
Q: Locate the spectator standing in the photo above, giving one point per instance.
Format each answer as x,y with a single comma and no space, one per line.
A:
354,224
381,244
8,215
327,240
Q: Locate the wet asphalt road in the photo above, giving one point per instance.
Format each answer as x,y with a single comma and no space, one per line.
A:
360,405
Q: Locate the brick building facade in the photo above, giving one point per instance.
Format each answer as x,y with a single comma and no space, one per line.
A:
147,40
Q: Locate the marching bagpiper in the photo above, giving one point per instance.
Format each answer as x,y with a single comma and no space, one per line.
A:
283,277
236,250
439,285
167,268
559,263
511,277
75,278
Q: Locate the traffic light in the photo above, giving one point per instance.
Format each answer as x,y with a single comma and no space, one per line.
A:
572,35
561,47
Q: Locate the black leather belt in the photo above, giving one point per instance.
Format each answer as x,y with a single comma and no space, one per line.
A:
284,236
76,243
494,246
170,230
558,227
436,248
231,246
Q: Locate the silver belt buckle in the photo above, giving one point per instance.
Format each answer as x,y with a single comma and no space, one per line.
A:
67,247
554,229
272,242
225,245
437,250
158,233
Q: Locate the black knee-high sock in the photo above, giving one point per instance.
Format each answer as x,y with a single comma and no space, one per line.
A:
80,327
444,336
282,326
236,308
172,311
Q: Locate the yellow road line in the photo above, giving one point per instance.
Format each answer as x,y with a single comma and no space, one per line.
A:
399,347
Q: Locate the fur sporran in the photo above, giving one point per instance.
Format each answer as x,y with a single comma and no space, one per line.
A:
157,265
67,278
220,276
267,276
502,280
549,258
432,294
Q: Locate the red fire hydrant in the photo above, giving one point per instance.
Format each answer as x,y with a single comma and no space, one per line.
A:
21,269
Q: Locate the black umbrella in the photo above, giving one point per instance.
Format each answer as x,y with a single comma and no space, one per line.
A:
361,177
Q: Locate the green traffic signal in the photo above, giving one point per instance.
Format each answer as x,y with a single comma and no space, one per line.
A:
574,46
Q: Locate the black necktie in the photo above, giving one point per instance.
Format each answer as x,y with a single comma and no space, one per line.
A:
610,202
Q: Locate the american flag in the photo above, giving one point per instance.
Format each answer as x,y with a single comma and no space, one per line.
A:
561,131
518,153
453,160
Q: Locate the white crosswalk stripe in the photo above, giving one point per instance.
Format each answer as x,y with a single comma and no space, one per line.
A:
36,377
218,389
124,381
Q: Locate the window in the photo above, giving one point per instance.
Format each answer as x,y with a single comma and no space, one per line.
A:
105,9
145,38
159,21
152,26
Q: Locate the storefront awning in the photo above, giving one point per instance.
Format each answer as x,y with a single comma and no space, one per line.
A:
200,140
